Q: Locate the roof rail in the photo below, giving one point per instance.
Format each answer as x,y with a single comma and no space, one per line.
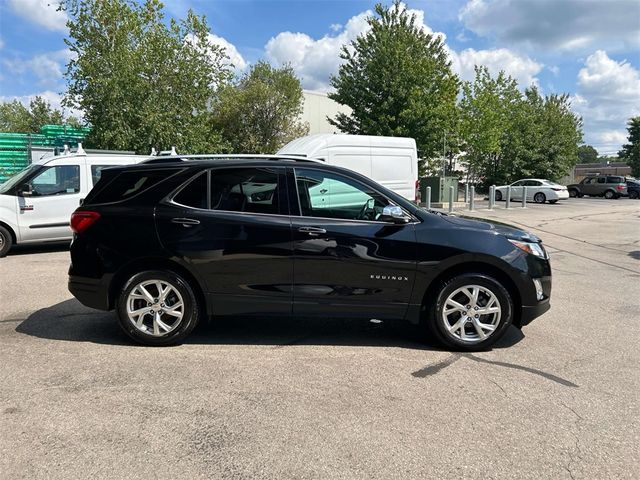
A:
244,156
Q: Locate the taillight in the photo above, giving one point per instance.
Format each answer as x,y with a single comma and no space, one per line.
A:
557,189
83,219
418,193
620,187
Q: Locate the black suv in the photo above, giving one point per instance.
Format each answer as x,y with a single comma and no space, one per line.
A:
177,239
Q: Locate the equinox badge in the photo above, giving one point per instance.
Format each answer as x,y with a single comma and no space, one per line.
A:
389,277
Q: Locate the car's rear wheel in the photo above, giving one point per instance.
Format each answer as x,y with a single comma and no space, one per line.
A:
633,194
471,312
498,196
609,194
6,240
539,197
157,308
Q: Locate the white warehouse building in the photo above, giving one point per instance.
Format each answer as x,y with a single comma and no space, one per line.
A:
317,107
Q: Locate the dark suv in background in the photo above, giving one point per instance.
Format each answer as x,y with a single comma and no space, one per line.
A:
607,186
633,188
174,240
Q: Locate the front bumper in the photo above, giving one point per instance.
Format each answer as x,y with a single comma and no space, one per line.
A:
530,313
91,292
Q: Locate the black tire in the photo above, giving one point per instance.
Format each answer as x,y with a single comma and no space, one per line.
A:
498,196
539,197
573,193
553,201
633,194
436,323
190,309
609,194
6,241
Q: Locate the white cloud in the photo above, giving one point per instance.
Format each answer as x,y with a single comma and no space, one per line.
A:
235,58
520,67
42,12
608,95
47,68
568,25
53,98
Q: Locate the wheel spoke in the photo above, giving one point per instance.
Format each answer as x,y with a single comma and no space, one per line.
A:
455,306
478,328
456,326
146,294
156,326
162,325
172,310
138,312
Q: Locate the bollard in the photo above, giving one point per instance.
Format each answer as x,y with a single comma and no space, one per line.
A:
492,196
524,197
508,199
472,199
451,199
428,202
466,193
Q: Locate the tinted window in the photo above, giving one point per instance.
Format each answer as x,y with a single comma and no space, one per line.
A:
324,194
61,180
245,190
129,183
195,193
96,172
532,183
615,180
519,183
601,180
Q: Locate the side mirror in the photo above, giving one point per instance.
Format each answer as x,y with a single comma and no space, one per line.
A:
393,214
25,190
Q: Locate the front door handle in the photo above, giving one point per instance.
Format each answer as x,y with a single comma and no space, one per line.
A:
313,231
187,222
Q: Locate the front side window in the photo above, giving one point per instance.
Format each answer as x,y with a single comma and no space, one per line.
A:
253,190
60,180
326,195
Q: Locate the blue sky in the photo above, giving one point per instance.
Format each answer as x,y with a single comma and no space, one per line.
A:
588,49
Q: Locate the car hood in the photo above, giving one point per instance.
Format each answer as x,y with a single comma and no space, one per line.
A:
498,228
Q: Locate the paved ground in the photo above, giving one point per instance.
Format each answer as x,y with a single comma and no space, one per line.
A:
331,399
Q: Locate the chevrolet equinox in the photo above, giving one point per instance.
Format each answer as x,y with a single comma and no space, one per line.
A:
174,240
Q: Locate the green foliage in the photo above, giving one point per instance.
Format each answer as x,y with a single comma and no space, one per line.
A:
508,135
259,113
142,81
397,79
630,152
587,154
16,118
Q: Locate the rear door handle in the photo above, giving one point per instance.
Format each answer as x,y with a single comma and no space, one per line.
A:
187,222
312,230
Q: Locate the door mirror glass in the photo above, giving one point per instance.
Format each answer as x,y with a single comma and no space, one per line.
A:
393,214
25,190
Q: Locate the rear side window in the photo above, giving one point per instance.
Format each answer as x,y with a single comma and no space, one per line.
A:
602,180
128,184
615,180
194,194
245,190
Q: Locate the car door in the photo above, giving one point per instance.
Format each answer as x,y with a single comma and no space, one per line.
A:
231,227
348,263
46,202
516,189
533,187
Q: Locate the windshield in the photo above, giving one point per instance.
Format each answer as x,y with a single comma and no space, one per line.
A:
17,178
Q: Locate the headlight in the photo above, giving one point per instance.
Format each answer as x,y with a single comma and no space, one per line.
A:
530,247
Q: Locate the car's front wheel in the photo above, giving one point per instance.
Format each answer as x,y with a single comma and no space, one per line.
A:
471,312
5,241
633,194
157,308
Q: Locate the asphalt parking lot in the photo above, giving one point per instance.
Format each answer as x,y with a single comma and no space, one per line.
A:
334,399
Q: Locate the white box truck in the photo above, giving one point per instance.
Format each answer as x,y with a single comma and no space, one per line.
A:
390,161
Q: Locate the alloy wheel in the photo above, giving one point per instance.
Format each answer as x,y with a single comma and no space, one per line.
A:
155,307
471,313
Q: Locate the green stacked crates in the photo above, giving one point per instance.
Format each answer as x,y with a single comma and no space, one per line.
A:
15,148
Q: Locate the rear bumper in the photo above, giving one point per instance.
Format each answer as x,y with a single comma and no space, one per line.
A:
90,292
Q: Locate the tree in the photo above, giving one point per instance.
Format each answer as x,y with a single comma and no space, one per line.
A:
259,113
542,140
587,154
15,117
142,81
398,81
630,152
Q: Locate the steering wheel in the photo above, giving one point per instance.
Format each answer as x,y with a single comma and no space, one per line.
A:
366,213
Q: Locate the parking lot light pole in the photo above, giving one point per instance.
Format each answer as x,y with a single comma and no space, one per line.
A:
451,199
428,202
524,197
492,196
472,199
508,200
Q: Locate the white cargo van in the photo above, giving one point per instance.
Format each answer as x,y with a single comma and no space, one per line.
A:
36,204
390,161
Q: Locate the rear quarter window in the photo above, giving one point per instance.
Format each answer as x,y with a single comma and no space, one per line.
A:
615,180
126,184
